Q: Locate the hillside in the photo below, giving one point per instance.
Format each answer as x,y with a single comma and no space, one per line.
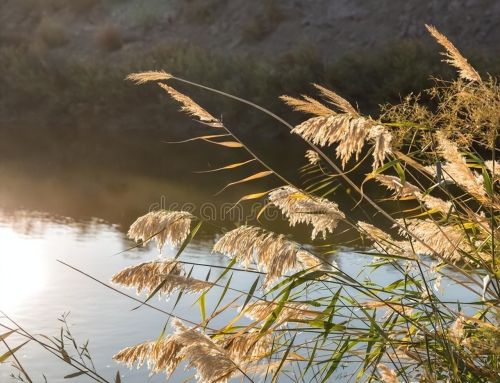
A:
64,62
263,28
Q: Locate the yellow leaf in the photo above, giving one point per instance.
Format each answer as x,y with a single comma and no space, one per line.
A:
205,138
252,196
246,179
229,144
231,166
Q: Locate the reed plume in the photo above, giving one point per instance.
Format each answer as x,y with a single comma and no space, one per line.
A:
384,243
322,214
171,227
407,190
401,190
381,144
494,168
389,306
291,311
144,77
307,105
212,364
148,276
333,98
434,203
457,330
248,347
272,252
190,107
348,128
312,157
210,361
456,167
455,170
309,261
447,241
348,131
137,354
387,375
454,57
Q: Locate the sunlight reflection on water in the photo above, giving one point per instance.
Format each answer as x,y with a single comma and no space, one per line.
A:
23,272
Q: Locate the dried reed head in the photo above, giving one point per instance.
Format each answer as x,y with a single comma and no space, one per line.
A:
248,347
387,375
457,330
312,157
272,252
401,190
454,57
134,355
381,144
309,261
339,102
494,168
307,105
390,307
298,207
210,361
456,167
348,128
164,355
170,227
144,77
189,106
349,131
434,203
292,311
383,241
407,190
447,241
148,276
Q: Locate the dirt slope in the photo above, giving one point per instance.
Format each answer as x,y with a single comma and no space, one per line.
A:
258,27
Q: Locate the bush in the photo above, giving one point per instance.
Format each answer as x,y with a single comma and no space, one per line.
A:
263,24
201,12
109,38
52,33
82,6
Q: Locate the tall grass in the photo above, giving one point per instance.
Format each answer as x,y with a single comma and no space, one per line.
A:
443,158
305,318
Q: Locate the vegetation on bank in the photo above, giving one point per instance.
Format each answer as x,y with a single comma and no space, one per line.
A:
49,85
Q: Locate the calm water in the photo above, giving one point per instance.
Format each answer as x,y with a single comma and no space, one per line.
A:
79,215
